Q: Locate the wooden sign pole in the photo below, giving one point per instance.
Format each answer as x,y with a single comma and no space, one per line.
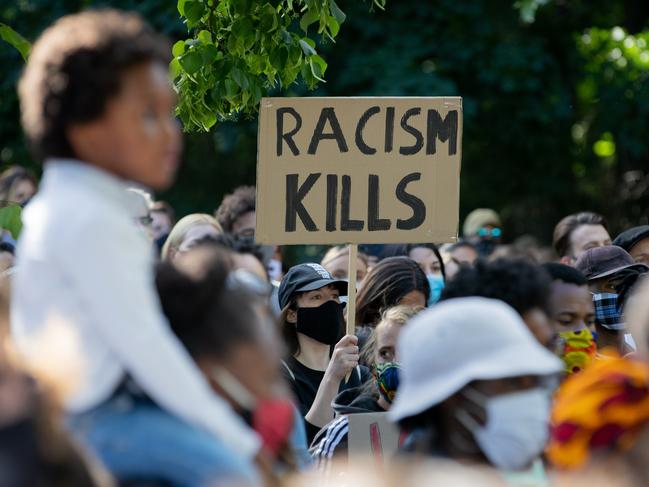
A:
351,293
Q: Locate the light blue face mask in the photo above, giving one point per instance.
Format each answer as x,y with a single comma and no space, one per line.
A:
436,285
345,299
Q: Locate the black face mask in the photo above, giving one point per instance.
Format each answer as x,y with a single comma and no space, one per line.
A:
485,247
160,242
324,324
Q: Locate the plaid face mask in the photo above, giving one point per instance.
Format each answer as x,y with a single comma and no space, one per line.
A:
607,313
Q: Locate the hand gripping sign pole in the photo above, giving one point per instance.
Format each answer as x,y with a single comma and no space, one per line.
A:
351,293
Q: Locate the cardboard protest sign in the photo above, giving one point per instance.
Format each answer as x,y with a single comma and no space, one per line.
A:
358,170
372,434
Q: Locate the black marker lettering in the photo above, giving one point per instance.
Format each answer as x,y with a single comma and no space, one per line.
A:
444,129
374,223
332,202
327,114
419,139
294,206
345,198
360,143
418,206
389,129
288,137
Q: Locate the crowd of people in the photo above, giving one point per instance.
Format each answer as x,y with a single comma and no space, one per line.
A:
141,350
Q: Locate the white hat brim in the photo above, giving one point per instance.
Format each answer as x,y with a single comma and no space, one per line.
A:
413,399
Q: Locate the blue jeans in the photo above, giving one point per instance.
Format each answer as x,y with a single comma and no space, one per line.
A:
137,440
298,444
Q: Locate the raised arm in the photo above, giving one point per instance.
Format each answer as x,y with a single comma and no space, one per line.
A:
343,361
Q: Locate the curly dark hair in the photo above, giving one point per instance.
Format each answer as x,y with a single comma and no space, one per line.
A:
75,68
240,202
565,273
519,283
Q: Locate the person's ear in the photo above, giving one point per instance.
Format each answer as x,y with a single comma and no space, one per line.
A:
171,253
291,316
567,260
86,139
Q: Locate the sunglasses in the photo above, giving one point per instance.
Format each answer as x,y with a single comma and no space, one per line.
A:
490,232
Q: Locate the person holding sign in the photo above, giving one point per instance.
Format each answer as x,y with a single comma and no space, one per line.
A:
313,325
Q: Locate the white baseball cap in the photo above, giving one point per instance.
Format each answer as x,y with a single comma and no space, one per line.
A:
461,340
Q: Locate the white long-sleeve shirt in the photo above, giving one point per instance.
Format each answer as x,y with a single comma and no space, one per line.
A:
84,264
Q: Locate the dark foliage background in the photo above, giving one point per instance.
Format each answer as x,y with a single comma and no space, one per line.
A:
556,111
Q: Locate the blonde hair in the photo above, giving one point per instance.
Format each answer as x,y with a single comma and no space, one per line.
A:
180,229
396,315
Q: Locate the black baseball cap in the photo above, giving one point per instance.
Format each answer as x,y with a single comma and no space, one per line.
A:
632,236
605,261
306,277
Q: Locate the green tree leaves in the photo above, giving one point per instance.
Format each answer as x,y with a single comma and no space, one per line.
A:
12,37
240,50
194,11
11,219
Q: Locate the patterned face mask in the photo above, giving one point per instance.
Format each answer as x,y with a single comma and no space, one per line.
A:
607,313
578,349
387,379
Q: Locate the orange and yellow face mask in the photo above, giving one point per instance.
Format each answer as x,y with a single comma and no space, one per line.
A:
578,349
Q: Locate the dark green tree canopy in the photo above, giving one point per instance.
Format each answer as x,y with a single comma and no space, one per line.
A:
555,109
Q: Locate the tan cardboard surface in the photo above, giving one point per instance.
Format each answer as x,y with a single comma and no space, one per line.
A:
407,149
372,434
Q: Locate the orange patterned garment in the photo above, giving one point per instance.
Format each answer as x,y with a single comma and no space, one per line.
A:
603,407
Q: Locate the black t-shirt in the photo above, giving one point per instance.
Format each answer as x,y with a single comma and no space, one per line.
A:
305,383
